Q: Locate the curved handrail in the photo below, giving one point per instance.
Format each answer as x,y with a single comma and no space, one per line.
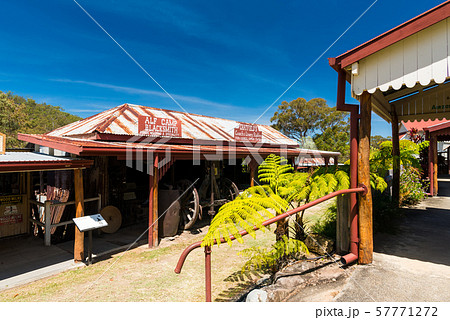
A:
360,189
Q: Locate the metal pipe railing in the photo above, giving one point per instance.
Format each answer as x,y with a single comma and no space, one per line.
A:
360,189
47,224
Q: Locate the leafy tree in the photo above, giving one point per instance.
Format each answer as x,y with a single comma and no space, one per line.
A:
13,117
281,189
411,189
299,119
375,141
18,114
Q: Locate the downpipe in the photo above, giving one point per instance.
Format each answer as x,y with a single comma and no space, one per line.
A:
354,116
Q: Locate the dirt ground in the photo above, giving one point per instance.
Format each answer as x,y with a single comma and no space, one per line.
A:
143,274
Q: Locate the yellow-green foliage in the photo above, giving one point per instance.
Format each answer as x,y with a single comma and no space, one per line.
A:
311,186
274,171
250,209
262,258
259,203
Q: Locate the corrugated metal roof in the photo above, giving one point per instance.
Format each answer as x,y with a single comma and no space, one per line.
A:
33,161
30,157
123,120
84,146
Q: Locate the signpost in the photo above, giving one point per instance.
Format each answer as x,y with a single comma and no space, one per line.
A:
89,223
159,127
2,143
248,133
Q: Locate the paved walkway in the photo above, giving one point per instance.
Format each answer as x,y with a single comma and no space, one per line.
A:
412,265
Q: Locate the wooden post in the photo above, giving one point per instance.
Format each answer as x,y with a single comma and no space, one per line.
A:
252,166
431,152
155,201
435,169
78,249
327,160
150,205
395,160
448,160
343,224
28,206
47,223
365,202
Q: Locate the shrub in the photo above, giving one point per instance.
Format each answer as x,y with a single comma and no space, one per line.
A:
411,188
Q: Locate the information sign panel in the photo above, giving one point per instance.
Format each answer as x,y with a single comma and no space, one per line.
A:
91,222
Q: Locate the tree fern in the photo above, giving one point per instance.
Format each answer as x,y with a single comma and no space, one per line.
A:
248,210
271,259
274,171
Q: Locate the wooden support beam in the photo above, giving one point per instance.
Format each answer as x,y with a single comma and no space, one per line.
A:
396,159
448,160
78,249
365,201
435,169
431,160
327,160
150,207
253,166
155,202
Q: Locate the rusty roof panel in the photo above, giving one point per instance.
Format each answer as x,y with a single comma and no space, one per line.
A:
123,120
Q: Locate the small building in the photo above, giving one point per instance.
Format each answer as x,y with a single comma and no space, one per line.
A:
150,161
23,199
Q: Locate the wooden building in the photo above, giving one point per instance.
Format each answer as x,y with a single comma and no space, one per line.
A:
401,75
148,159
24,200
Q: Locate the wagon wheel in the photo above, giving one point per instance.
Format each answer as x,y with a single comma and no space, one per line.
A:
189,204
228,189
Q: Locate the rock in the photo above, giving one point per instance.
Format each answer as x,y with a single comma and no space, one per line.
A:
264,281
277,293
319,244
256,295
290,282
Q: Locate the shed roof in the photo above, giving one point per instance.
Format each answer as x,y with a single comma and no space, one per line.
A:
87,147
122,122
419,125
33,161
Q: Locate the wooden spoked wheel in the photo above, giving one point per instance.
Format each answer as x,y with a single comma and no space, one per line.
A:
189,203
228,189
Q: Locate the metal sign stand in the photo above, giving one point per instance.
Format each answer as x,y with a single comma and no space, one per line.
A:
89,223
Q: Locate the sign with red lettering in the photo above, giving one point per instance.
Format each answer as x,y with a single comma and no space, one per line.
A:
247,132
159,127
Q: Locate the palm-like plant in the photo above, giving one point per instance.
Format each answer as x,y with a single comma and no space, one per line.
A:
282,188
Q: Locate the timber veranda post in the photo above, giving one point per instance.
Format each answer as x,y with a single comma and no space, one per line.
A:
78,250
395,159
365,201
153,203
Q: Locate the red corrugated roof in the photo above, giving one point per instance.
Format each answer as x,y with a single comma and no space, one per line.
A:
88,147
122,122
421,125
388,38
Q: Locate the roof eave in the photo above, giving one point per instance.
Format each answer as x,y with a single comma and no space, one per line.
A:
388,38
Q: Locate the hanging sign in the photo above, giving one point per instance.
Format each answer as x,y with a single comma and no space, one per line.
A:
247,132
2,143
159,127
11,210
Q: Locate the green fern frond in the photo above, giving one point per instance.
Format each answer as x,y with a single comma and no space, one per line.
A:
247,211
274,171
261,259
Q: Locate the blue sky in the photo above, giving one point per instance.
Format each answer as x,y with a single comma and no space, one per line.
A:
229,59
